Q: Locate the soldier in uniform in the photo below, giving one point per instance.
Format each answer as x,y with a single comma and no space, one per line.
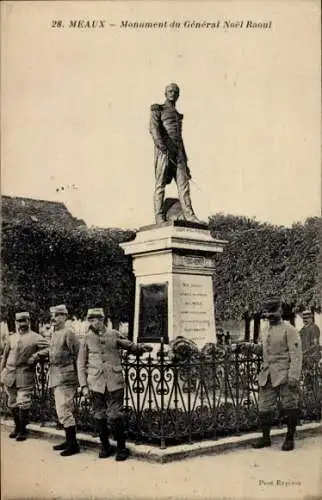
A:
280,374
18,371
100,371
310,336
63,379
170,155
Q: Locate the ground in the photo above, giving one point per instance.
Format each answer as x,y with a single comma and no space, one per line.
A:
31,469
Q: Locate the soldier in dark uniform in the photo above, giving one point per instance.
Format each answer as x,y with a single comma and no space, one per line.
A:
100,371
310,337
170,155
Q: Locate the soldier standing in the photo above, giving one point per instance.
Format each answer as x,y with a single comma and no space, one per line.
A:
280,374
100,371
310,337
63,352
170,155
18,371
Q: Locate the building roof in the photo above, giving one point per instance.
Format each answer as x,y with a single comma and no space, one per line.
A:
16,209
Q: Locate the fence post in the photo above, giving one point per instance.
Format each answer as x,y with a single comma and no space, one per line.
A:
126,392
237,391
138,402
214,387
162,436
247,320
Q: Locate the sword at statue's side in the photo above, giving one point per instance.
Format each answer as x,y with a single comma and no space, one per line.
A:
190,177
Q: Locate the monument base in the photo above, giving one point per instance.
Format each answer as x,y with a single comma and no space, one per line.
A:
173,265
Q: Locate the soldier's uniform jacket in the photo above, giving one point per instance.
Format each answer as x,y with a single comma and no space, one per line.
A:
19,350
282,355
63,351
166,130
99,360
310,337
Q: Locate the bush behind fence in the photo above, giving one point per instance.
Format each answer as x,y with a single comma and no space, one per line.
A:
169,400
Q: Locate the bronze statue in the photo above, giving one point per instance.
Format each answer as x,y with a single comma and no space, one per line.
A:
170,155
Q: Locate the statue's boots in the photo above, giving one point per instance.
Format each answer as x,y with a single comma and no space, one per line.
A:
186,205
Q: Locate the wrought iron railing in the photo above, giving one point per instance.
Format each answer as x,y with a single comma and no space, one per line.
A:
169,400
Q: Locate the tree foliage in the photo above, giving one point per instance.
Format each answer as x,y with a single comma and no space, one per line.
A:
260,259
44,265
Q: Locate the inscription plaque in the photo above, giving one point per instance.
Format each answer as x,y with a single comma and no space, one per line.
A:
194,314
153,314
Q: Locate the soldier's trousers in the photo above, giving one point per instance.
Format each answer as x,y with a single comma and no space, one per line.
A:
269,396
108,405
64,403
19,397
182,180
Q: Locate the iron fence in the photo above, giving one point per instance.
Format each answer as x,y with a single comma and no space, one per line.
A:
207,395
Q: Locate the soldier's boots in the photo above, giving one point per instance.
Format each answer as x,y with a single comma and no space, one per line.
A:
72,447
15,416
262,442
61,446
106,449
22,425
122,452
292,418
265,440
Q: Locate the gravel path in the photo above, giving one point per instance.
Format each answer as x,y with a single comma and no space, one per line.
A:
32,470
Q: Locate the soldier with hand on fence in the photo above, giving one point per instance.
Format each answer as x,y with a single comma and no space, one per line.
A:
100,376
18,371
280,373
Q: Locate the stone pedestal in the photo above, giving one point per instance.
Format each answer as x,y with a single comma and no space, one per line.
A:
173,265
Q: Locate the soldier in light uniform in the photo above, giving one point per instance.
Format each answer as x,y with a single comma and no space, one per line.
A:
170,155
280,374
18,371
100,371
63,379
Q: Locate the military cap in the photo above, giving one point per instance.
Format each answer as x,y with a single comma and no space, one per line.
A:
22,315
52,309
95,312
307,313
61,309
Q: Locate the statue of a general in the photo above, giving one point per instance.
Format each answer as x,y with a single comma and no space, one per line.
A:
170,155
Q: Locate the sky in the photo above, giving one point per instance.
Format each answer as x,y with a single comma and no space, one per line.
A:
75,107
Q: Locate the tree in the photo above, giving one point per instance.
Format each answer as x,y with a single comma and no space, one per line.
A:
45,265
